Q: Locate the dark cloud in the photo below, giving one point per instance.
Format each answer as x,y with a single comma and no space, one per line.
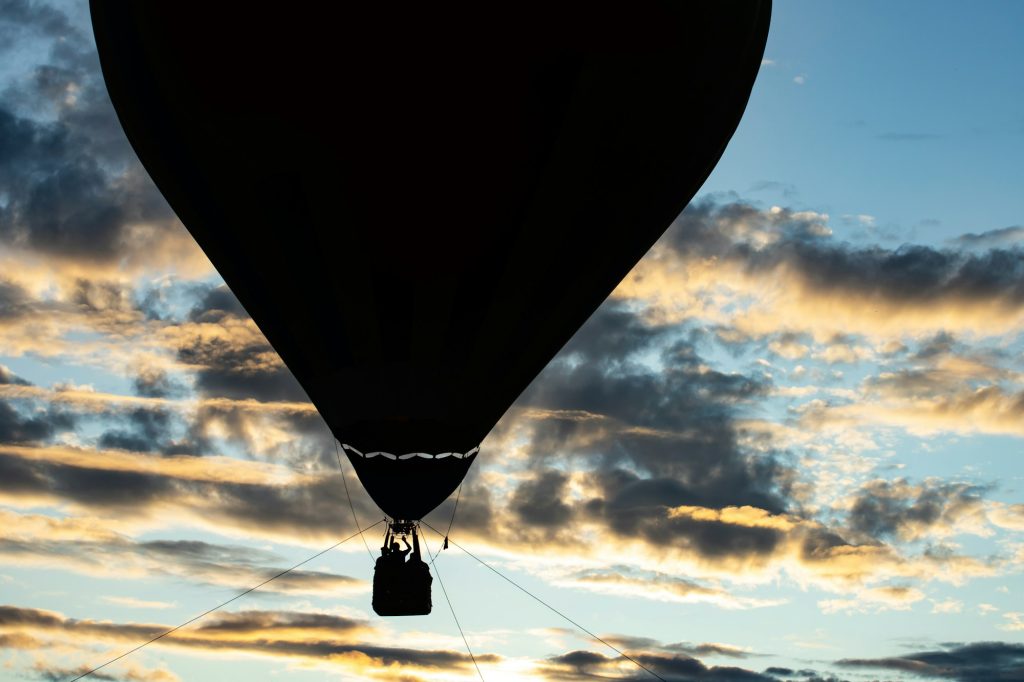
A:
91,296
221,563
896,509
801,675
60,198
539,502
476,509
150,430
254,632
635,410
16,428
705,649
311,508
268,621
974,662
226,368
217,303
588,665
1006,236
72,185
939,345
197,561
128,490
673,422
17,16
155,383
14,301
908,274
53,673
634,507
15,616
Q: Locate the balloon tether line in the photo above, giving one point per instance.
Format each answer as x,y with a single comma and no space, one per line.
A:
351,506
549,606
454,509
450,607
219,606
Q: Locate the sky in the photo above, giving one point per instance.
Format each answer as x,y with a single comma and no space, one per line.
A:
787,447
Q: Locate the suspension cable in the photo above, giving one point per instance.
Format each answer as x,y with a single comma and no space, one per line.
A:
220,606
549,606
351,506
451,608
454,509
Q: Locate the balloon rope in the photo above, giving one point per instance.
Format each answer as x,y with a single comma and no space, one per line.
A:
351,506
549,606
452,608
220,606
452,520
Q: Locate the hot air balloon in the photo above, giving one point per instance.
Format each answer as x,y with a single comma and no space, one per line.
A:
418,204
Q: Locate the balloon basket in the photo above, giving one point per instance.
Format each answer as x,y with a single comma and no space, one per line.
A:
400,587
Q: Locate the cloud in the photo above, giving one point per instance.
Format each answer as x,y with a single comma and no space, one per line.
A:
897,509
327,640
220,493
154,382
875,600
126,672
1016,621
589,665
633,583
1006,236
943,385
1010,516
947,606
74,190
538,502
134,603
765,272
16,427
89,546
230,355
86,399
643,416
704,649
989,661
789,346
8,378
966,410
13,300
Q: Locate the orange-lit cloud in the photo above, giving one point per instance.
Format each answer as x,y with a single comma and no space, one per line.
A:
779,271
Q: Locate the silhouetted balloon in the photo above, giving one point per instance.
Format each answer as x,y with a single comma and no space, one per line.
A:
420,203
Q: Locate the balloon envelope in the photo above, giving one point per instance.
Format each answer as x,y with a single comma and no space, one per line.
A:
419,204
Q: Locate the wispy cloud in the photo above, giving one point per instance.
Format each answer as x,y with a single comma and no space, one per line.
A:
1003,237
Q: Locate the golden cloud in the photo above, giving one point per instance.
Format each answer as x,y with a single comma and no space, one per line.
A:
875,600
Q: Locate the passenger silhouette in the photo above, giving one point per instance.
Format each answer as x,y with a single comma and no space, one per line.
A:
396,554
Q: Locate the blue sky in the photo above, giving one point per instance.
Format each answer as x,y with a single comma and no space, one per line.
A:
801,416
910,112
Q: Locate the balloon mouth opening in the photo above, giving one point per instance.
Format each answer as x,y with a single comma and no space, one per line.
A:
424,455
